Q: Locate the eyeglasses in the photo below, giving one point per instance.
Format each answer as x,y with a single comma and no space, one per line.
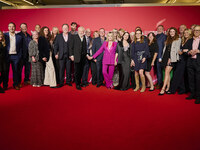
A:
197,30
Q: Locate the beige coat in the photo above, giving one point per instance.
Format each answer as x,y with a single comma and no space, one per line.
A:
176,45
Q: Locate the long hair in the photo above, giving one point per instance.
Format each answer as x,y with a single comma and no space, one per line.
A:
128,40
174,38
142,37
52,35
110,33
42,33
154,38
3,39
183,39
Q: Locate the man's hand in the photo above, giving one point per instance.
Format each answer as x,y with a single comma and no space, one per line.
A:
44,59
72,58
56,56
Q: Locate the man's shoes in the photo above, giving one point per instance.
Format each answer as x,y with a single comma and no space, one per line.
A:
181,92
100,84
20,85
197,101
16,88
83,85
27,83
60,85
5,88
190,97
78,87
69,84
1,90
53,87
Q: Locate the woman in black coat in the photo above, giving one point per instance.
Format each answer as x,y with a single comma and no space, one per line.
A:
2,60
124,61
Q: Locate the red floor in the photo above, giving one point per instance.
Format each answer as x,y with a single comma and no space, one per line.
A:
97,119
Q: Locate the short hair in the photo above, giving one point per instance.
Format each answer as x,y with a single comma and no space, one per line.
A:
23,24
81,27
161,26
101,29
73,23
38,25
65,24
12,23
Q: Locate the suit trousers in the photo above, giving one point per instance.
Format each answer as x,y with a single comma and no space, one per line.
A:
108,71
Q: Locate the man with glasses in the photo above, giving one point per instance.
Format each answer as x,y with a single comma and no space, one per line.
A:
193,65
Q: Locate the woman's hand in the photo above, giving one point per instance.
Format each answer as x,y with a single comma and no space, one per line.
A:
33,59
115,63
89,57
169,62
132,63
152,63
143,60
95,60
44,59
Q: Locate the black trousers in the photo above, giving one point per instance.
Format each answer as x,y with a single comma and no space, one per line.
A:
85,72
56,66
65,65
3,70
78,68
94,72
99,72
177,81
27,68
193,69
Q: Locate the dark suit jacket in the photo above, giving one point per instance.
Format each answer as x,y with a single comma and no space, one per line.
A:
44,48
76,47
59,45
96,45
18,45
188,45
25,45
161,43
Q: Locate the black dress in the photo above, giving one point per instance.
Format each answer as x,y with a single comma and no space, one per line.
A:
153,48
124,60
166,56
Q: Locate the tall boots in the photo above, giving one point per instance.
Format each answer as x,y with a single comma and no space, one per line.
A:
143,84
138,83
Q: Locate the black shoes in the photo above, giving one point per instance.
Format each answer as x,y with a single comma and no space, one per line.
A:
151,89
99,85
69,84
78,87
1,90
61,85
190,97
197,101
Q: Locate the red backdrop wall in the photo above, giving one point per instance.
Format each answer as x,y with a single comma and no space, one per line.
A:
107,17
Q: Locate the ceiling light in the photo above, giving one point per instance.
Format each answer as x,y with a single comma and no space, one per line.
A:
28,2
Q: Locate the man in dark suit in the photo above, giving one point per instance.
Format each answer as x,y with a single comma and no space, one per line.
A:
13,54
78,53
161,38
87,63
193,65
26,38
97,67
61,51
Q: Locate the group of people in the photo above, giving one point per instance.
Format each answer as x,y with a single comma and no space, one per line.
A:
51,57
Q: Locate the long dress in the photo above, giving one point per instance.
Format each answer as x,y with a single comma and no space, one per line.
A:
124,61
37,75
50,75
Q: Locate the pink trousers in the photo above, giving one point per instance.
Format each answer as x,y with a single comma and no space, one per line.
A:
108,71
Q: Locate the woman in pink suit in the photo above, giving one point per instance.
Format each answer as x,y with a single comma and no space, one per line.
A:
109,58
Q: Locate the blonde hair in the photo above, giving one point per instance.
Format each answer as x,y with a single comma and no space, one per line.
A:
183,39
110,33
3,39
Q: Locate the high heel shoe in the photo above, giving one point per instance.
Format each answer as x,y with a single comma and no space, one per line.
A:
161,93
151,89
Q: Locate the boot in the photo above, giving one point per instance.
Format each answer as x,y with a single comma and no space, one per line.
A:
143,84
137,83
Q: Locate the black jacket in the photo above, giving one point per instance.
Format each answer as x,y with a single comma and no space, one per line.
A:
59,45
44,48
188,45
77,48
96,46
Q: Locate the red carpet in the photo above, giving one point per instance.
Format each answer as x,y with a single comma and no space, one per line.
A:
97,119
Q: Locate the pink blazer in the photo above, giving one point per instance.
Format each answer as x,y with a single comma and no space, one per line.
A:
109,54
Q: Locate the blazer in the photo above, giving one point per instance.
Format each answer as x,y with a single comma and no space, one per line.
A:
24,44
59,47
109,55
188,45
96,46
176,46
161,38
44,48
77,48
18,45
